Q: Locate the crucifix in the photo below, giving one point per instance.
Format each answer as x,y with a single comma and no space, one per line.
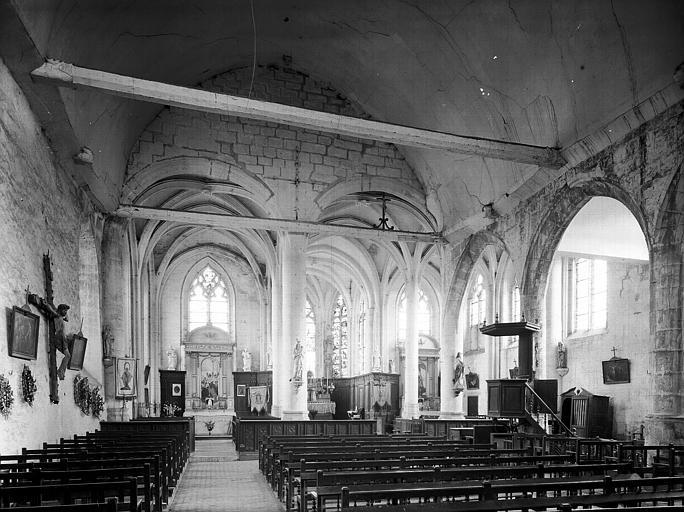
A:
614,350
57,339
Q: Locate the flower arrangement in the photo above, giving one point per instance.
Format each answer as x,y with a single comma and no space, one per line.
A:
96,402
170,409
28,385
82,394
6,396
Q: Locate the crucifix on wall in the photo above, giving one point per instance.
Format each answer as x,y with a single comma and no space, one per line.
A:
57,338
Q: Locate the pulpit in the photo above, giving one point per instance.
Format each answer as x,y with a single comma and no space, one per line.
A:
506,397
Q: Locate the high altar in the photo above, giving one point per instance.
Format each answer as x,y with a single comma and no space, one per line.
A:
209,365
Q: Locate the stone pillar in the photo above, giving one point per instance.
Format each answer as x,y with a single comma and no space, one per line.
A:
116,306
451,406
665,423
279,370
410,406
293,254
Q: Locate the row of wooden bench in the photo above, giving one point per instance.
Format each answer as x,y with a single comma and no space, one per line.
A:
385,474
138,469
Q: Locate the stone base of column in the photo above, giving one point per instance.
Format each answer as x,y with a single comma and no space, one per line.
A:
410,411
276,411
663,429
294,415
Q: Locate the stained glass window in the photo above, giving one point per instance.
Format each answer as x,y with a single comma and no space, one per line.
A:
208,301
340,332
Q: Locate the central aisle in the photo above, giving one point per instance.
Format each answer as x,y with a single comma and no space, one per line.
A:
214,480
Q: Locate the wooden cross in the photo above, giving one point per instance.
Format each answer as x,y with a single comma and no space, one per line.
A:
614,350
56,336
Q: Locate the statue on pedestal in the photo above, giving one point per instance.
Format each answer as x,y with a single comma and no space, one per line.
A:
246,360
171,359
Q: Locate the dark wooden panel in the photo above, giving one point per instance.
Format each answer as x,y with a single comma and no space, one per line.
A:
248,433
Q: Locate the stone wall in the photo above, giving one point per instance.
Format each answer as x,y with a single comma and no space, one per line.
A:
40,211
627,331
271,151
639,171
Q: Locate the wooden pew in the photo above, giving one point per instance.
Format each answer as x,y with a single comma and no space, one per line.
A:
521,494
125,490
275,465
141,473
306,471
39,476
108,506
631,502
459,481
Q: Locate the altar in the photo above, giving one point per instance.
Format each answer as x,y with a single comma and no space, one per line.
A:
319,404
219,421
209,362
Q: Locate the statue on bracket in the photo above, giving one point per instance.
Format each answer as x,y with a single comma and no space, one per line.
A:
297,356
458,375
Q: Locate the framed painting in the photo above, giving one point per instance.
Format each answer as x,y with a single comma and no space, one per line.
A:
22,339
241,390
78,348
176,389
616,371
126,372
472,380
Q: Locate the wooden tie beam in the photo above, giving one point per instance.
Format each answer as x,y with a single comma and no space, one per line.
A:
63,74
237,223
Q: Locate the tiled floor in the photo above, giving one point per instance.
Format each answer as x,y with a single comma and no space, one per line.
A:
214,480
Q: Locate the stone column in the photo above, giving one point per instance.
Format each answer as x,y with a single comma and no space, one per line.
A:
293,254
410,407
451,406
279,374
665,422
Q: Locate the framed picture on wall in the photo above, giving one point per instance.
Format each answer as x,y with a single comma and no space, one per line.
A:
176,389
126,372
22,339
241,390
616,371
472,380
78,348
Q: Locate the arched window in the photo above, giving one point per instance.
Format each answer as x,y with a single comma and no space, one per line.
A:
515,304
208,301
340,332
310,341
478,302
423,315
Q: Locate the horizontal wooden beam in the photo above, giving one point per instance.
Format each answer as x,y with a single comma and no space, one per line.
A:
238,223
197,99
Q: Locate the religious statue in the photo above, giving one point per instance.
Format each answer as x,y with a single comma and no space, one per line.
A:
269,358
561,356
107,341
171,359
297,357
246,360
377,362
57,338
458,372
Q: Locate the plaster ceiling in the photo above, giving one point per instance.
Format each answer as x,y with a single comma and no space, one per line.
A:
538,72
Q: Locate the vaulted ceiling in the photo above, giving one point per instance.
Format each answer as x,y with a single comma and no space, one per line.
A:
539,72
